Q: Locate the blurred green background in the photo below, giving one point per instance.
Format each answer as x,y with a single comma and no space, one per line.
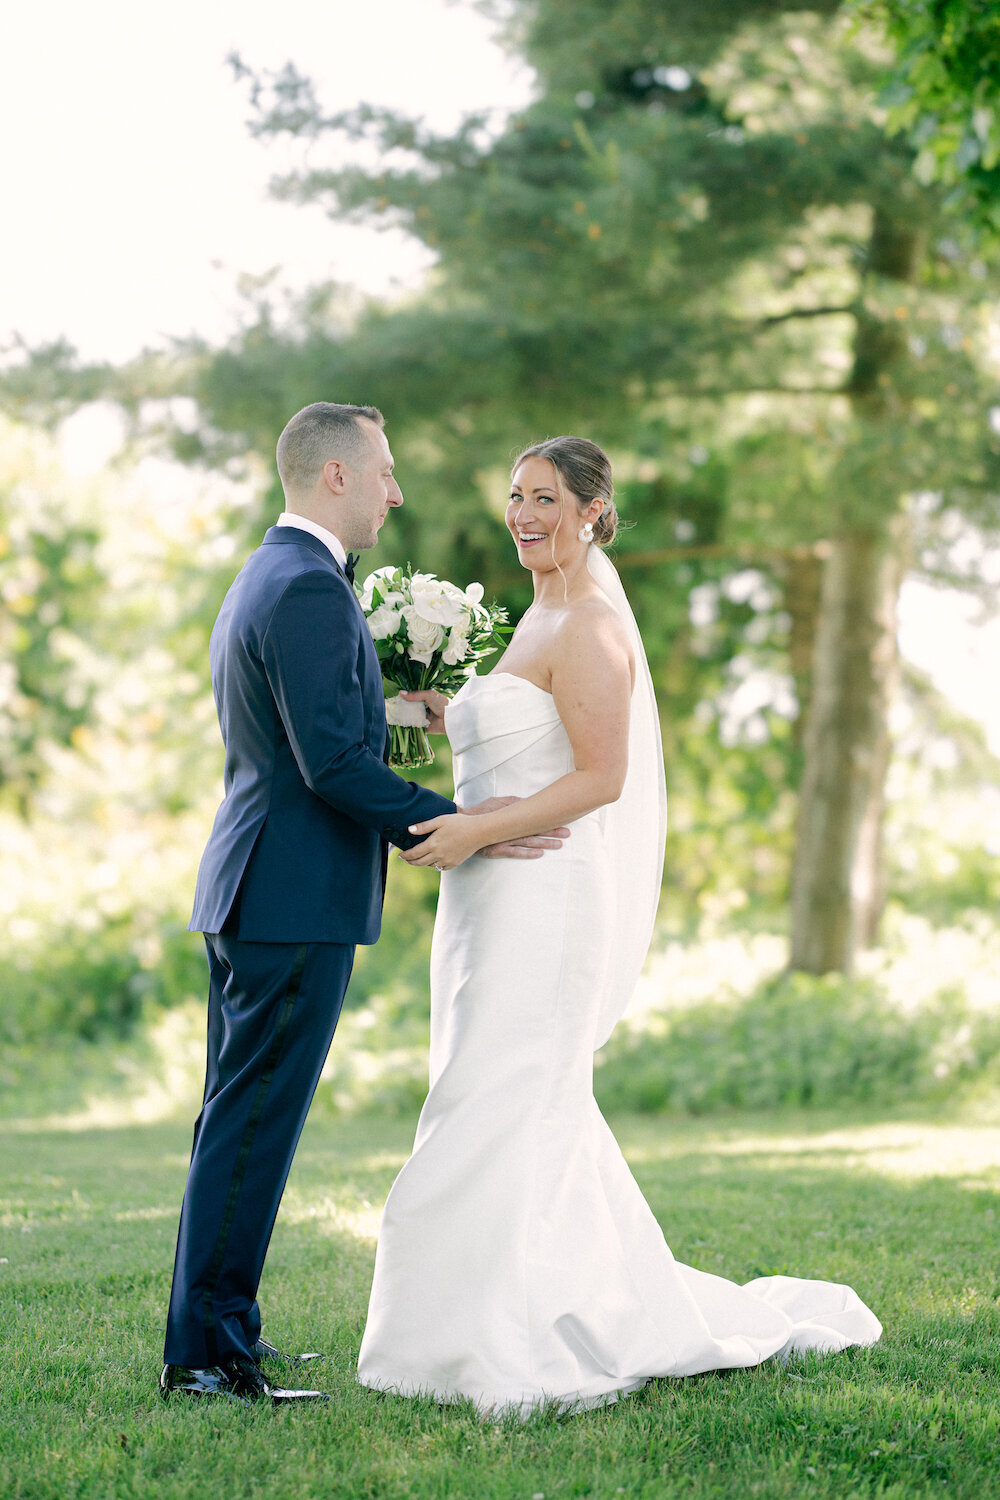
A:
749,247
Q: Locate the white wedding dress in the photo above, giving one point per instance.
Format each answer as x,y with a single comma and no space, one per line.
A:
518,1263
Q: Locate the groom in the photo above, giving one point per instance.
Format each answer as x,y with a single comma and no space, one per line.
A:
292,877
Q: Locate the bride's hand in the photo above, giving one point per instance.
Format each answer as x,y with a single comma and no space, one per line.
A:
451,840
529,846
436,705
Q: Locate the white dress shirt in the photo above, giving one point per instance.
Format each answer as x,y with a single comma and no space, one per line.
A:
335,545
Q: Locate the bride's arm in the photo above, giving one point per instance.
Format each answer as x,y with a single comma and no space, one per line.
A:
591,686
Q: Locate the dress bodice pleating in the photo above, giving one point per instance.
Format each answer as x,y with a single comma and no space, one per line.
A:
506,738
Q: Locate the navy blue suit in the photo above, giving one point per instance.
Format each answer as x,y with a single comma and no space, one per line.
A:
291,880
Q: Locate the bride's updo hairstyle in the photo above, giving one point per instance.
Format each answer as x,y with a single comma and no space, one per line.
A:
586,470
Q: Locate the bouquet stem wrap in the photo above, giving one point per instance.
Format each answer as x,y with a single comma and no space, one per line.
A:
409,747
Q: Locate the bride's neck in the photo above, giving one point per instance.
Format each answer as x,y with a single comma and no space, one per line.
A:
555,589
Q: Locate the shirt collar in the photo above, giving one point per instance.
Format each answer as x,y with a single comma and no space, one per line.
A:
333,543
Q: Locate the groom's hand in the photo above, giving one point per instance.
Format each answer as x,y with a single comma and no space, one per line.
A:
532,846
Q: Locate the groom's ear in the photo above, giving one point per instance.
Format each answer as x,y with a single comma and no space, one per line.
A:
333,476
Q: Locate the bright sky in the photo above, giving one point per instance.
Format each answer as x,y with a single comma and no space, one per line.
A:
943,633
132,194
131,191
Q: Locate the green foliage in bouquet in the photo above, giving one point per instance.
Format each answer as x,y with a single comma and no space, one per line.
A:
428,634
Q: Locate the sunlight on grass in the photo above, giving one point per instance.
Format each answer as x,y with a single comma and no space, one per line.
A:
331,1217
892,1150
903,1150
143,1215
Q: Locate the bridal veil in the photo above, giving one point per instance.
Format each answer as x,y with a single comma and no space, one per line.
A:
636,825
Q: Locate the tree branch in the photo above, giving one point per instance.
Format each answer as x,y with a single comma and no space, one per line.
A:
803,312
757,390
741,552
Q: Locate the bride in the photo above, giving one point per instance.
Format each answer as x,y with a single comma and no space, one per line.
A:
518,1263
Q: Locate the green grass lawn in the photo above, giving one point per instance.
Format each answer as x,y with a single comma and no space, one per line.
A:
905,1209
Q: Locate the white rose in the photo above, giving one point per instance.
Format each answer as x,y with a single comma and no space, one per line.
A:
380,575
456,649
425,635
367,599
394,599
383,622
436,602
380,579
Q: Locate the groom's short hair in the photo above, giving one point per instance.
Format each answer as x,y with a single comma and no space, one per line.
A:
318,433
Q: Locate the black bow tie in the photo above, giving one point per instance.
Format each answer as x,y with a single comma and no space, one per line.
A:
353,558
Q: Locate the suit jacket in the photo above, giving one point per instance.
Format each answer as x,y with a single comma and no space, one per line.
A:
298,850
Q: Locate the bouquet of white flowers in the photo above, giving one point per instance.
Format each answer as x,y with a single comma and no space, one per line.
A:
428,634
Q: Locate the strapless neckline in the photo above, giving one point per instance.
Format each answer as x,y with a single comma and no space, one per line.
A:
516,677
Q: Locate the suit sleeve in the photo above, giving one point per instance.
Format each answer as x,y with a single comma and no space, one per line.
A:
310,654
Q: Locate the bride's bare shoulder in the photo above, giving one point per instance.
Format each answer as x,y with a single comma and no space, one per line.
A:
591,630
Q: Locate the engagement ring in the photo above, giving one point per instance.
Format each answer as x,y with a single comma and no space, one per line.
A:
439,867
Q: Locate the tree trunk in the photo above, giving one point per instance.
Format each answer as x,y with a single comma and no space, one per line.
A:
837,884
803,587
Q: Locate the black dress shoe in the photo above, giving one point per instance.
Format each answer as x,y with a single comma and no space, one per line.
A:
263,1350
186,1381
237,1379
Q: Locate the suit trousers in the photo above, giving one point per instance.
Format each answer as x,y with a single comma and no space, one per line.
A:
272,1012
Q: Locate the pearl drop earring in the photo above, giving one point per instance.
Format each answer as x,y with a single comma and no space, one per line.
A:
586,532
